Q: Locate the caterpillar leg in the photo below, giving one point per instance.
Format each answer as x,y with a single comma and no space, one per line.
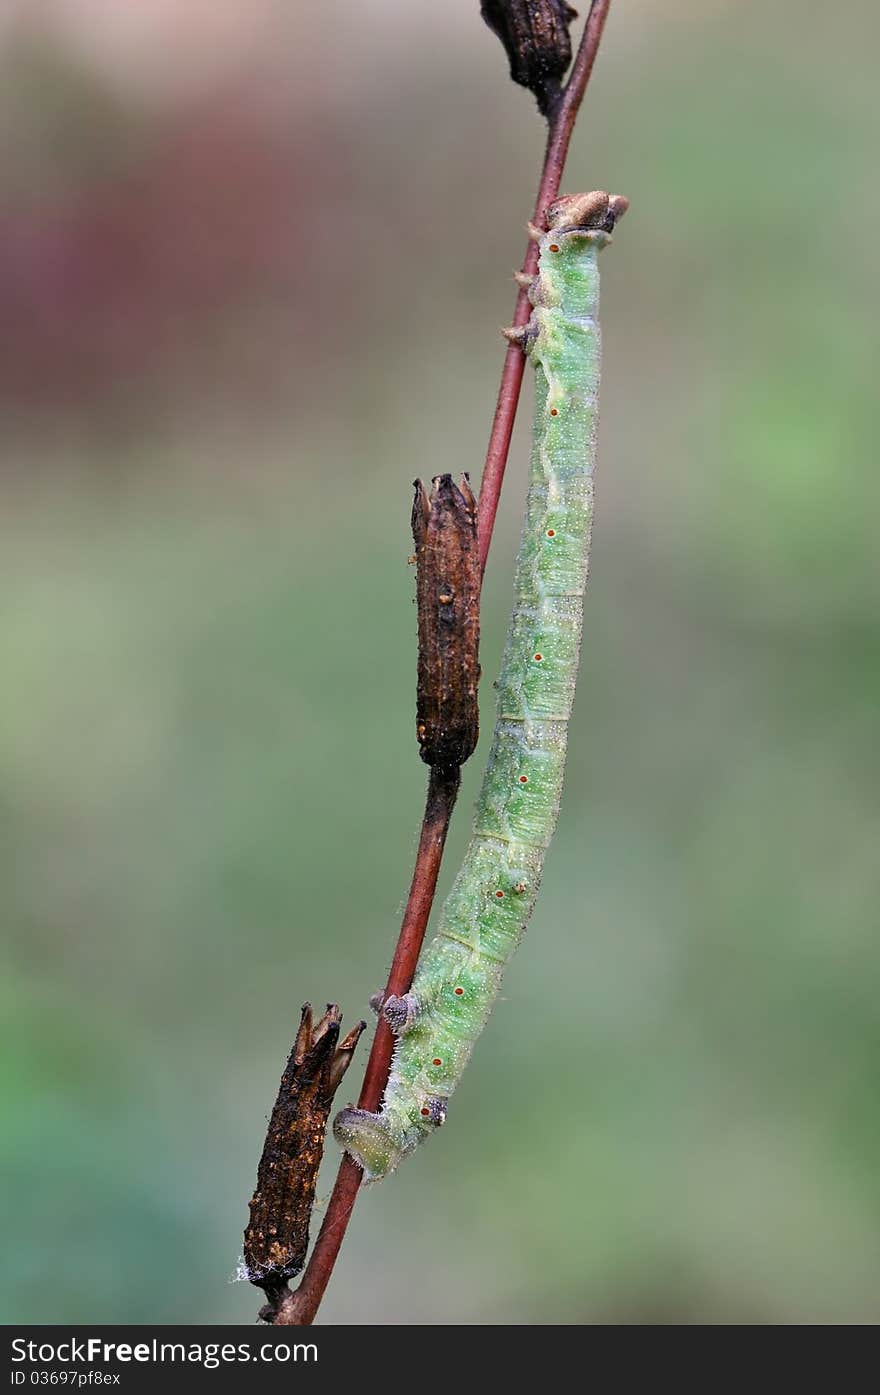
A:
367,1138
516,334
401,1013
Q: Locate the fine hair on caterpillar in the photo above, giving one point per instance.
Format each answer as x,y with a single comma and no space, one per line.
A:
485,915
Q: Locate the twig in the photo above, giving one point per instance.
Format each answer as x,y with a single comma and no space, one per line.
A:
301,1306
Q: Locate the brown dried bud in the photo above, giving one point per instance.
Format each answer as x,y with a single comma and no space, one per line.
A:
277,1238
535,36
448,599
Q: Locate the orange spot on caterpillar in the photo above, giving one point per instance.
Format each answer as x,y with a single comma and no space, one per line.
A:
554,411
426,1113
539,658
437,1061
554,246
458,992
551,532
500,895
524,779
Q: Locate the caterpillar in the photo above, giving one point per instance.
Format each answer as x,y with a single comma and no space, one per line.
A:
485,915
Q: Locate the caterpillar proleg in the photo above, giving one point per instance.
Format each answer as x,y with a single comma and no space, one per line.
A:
486,912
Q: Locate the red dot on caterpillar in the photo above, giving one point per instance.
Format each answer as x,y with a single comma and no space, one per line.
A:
524,779
458,992
551,532
425,1113
437,1061
500,895
554,246
538,658
554,411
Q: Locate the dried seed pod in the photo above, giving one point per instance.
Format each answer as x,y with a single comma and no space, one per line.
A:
277,1238
536,39
448,599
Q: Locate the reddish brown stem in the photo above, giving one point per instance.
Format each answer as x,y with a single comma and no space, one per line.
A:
442,792
562,119
300,1307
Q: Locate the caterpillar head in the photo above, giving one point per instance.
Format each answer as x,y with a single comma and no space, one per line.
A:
596,210
368,1139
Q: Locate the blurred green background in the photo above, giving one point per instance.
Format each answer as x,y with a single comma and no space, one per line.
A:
253,262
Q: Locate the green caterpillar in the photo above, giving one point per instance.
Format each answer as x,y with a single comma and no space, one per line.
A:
486,912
